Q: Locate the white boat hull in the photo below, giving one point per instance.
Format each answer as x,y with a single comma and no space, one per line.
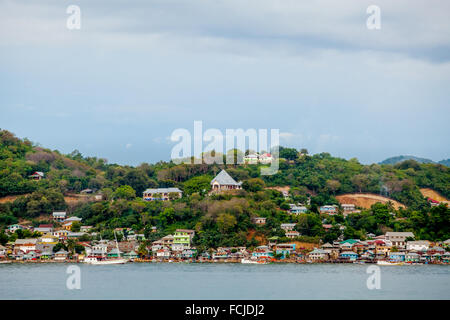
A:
245,261
106,262
387,263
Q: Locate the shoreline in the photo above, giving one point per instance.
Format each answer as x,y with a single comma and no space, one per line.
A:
223,262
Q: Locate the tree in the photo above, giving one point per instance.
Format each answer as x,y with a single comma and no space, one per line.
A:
226,222
142,250
333,185
125,192
360,181
76,225
253,185
288,153
198,184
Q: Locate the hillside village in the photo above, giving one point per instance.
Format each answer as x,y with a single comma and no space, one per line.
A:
317,208
50,244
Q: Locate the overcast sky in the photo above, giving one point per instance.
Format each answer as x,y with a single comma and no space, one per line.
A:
137,70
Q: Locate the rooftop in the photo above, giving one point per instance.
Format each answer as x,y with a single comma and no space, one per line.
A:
224,178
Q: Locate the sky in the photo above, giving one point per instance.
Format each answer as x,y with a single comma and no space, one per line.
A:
137,70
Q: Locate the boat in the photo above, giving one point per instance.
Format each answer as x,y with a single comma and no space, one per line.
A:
5,261
251,261
248,261
106,261
389,263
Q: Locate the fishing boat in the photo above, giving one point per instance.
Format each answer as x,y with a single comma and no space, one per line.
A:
5,261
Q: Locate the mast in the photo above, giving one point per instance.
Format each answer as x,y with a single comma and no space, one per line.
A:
117,244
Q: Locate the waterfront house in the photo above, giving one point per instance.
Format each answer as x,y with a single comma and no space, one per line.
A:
182,239
398,239
285,249
59,216
44,228
436,257
61,234
262,252
114,253
37,175
328,209
163,253
46,255
30,255
2,252
259,220
48,239
421,245
348,255
381,248
292,234
162,194
131,255
99,249
317,255
224,182
288,226
156,245
368,255
220,255
435,249
188,253
167,240
412,257
446,257
61,255
25,245
397,256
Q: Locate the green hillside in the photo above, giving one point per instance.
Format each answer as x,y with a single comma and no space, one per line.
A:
220,219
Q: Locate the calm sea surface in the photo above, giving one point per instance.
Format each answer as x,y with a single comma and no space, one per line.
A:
223,281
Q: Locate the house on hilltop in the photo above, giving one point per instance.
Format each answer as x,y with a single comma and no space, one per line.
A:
224,182
38,175
162,194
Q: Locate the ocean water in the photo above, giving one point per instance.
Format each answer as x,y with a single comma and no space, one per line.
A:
223,281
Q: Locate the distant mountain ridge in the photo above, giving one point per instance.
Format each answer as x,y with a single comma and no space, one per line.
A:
398,159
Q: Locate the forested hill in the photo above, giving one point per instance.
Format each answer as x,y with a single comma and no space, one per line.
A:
398,159
320,177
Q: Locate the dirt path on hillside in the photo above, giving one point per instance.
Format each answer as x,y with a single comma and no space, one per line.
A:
366,200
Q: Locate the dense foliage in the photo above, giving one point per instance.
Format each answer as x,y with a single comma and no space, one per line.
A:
221,220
